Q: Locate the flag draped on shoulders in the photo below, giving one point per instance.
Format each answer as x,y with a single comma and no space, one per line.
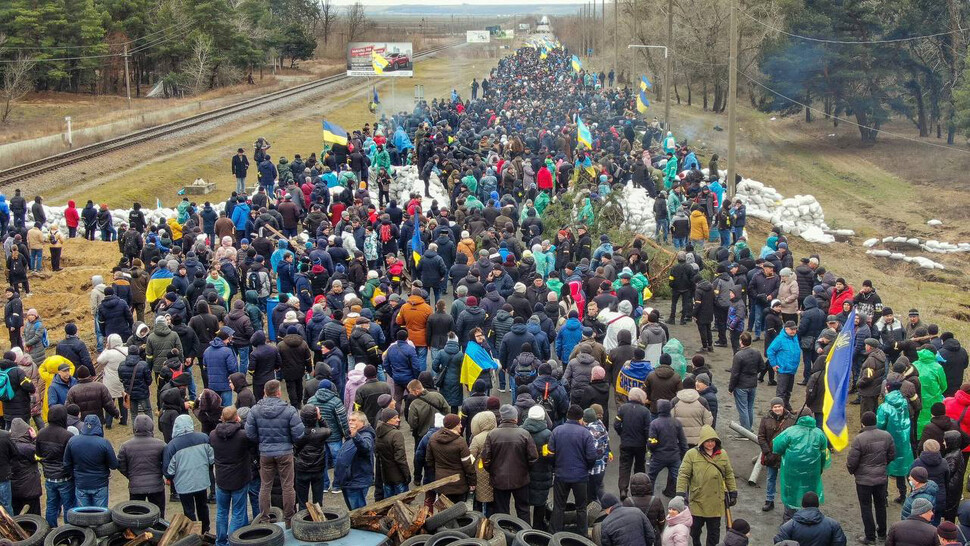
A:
582,133
475,362
417,245
157,284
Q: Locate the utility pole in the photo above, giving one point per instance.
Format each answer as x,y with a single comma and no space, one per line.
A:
636,38
616,53
127,83
732,102
668,63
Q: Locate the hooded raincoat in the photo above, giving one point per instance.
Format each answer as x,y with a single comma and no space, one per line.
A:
893,417
804,455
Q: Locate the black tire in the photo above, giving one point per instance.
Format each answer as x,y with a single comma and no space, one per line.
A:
467,523
88,516
106,530
35,526
470,542
191,540
416,540
307,530
275,515
261,534
532,538
593,511
445,516
117,540
135,515
498,538
508,526
70,535
570,539
444,538
597,534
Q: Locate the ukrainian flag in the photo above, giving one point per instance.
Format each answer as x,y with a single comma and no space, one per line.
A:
378,62
642,102
544,54
334,134
417,245
838,375
475,362
158,284
582,133
645,83
577,65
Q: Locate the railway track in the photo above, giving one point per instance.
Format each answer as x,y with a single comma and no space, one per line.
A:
50,163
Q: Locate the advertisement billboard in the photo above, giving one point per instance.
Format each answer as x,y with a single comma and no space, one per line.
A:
477,37
505,34
524,27
380,59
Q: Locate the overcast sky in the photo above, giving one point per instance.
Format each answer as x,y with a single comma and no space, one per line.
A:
448,2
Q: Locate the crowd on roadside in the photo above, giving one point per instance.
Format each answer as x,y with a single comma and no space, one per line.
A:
317,354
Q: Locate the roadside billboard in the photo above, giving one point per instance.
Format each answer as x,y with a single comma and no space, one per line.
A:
524,27
505,34
477,37
380,59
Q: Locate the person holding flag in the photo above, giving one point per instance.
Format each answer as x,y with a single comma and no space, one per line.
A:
642,102
838,375
583,135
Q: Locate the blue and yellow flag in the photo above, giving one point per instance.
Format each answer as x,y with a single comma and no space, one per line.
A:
378,62
645,83
334,134
544,54
838,375
417,245
577,64
475,362
582,133
157,284
642,102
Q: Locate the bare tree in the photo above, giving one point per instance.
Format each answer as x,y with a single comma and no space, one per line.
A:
356,19
199,65
17,82
328,18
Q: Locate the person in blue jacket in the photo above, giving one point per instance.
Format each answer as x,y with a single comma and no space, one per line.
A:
62,382
402,364
90,459
354,465
267,174
574,454
186,461
569,335
240,216
785,355
220,362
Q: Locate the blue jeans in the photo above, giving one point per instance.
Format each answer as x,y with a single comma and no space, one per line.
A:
771,485
99,337
422,357
698,244
680,243
391,490
332,449
226,398
725,236
355,498
59,495
36,259
6,496
744,400
253,493
663,227
240,187
243,354
758,314
91,497
738,232
226,501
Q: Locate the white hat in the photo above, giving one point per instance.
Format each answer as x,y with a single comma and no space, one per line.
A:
536,412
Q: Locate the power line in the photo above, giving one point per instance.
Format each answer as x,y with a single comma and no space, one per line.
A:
88,46
850,42
139,49
850,122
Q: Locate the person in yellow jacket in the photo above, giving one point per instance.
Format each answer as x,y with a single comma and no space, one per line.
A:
700,230
176,227
47,370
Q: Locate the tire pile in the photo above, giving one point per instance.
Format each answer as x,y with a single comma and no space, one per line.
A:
93,526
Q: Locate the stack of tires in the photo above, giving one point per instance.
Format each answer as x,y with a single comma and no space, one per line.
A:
337,525
91,526
457,526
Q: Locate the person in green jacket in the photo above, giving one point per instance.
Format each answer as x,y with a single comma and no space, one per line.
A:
706,481
678,361
674,202
381,159
893,417
670,171
804,455
932,381
586,214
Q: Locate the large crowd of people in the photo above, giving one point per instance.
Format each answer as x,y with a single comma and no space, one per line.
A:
318,354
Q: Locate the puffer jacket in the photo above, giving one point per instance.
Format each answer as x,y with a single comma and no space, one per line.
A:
140,459
574,451
52,441
662,383
93,399
872,374
626,526
310,451
332,412
785,353
771,426
25,476
159,343
692,414
274,425
667,441
89,457
448,362
264,361
448,454
579,372
809,527
540,473
567,338
939,473
633,425
233,470
220,362
677,530
295,357
642,497
137,389
73,349
187,458
401,363
869,455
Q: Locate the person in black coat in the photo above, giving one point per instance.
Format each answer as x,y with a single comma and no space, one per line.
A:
140,460
681,286
747,364
233,465
114,315
624,525
440,323
773,326
668,445
811,322
955,362
704,311
73,349
633,425
136,376
264,362
433,272
19,405
310,456
810,526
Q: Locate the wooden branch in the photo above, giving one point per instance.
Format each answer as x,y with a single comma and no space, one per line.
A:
10,528
143,538
315,513
407,496
177,528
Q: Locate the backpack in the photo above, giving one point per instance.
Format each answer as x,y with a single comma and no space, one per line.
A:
255,282
7,391
548,404
43,335
385,233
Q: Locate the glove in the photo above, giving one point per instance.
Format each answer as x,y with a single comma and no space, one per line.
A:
732,498
684,495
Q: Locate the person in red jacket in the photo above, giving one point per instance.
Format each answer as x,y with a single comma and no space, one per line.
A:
842,292
544,179
72,218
